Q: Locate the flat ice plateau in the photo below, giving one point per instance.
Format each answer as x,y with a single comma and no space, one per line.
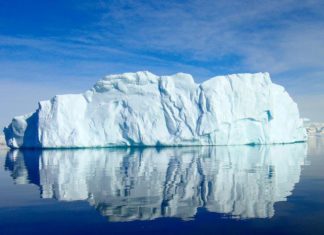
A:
143,109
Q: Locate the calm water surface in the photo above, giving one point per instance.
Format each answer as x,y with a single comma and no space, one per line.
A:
193,190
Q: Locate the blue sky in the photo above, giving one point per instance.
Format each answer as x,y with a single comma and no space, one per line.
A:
55,47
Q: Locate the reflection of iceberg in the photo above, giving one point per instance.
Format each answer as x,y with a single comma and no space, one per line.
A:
130,184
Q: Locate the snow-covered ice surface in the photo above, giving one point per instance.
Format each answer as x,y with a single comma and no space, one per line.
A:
142,109
126,184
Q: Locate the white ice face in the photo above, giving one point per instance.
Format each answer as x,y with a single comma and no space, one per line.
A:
142,109
144,184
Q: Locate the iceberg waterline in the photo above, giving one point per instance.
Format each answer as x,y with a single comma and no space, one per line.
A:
143,109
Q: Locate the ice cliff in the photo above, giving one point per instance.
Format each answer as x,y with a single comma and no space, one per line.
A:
142,109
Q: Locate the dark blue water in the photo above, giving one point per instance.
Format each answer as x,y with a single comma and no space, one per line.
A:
194,190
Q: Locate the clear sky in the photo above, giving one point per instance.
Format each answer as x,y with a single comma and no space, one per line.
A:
54,47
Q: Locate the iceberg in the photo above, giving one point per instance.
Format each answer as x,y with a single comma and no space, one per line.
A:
143,109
